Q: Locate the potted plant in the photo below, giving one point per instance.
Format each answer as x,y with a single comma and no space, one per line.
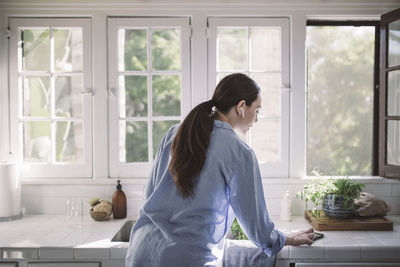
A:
336,196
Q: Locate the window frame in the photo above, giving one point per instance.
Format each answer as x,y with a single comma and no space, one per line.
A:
386,170
48,170
141,169
280,169
375,123
198,14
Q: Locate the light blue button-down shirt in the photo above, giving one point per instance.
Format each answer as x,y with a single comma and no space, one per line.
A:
173,231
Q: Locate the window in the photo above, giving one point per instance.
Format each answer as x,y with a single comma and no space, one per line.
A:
258,47
50,70
389,164
149,80
342,100
150,74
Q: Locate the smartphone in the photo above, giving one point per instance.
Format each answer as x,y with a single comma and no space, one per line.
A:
318,235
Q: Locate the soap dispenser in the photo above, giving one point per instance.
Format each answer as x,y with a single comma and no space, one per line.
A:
119,203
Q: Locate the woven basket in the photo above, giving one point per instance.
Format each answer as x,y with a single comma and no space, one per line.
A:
99,216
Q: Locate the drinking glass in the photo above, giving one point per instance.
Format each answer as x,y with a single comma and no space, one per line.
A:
74,212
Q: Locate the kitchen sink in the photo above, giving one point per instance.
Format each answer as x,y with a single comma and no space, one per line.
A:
124,233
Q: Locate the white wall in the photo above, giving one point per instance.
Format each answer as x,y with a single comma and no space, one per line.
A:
49,196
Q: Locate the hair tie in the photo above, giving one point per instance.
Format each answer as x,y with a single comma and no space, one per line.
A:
212,103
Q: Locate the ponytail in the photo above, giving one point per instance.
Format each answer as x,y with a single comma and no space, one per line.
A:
191,142
189,147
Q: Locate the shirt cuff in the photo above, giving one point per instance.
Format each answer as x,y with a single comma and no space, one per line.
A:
278,245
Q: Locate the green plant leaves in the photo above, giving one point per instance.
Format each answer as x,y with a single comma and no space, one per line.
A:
237,231
316,190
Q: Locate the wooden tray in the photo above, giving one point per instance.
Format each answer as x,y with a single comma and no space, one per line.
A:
324,223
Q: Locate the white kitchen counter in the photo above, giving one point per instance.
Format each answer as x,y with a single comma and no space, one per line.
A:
49,238
344,246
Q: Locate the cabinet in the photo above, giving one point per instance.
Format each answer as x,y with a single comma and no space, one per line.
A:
8,264
345,264
63,264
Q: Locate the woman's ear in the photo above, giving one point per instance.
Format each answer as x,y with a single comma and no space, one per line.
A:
240,106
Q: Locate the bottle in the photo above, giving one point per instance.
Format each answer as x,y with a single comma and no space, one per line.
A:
119,203
286,206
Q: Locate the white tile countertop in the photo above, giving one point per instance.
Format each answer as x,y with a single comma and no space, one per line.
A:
361,246
49,237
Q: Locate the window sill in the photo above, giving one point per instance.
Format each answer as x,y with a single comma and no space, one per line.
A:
362,179
82,181
143,181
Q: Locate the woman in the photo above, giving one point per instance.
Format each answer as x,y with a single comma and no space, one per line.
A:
203,177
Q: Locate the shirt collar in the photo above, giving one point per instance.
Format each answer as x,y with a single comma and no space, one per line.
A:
222,124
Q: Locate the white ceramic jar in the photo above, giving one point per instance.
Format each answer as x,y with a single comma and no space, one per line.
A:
10,191
286,207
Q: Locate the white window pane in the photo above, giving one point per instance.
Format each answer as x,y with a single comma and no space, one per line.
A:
132,49
394,44
265,140
265,55
35,49
49,58
270,84
37,141
69,141
133,96
393,98
220,76
68,97
271,104
160,128
133,141
68,50
259,48
36,96
166,95
393,143
232,49
265,49
340,99
149,65
165,49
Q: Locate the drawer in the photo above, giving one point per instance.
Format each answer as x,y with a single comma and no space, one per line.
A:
345,264
63,264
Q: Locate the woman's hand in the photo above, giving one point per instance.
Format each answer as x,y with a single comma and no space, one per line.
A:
300,238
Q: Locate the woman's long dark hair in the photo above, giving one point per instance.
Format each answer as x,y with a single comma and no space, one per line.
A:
190,144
